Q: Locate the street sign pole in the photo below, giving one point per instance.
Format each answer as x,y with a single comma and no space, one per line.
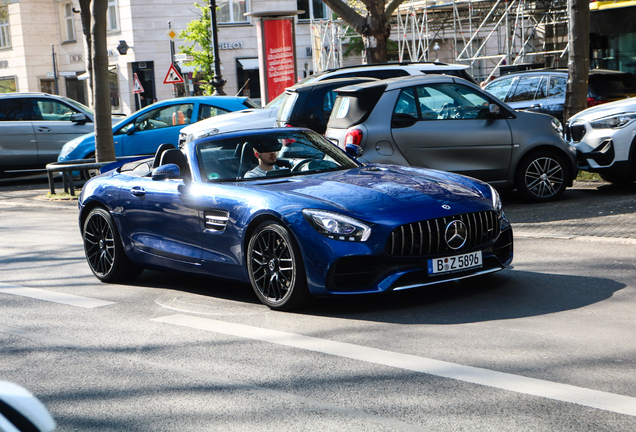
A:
174,87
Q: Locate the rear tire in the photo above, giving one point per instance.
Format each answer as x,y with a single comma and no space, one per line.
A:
104,251
276,269
542,176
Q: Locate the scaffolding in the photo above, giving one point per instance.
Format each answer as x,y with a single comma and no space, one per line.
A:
326,43
485,34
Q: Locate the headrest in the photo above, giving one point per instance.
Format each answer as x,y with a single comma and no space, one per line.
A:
266,146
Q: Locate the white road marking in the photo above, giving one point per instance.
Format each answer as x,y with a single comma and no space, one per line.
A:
530,386
52,296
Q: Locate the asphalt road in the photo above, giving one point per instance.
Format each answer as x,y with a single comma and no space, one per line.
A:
547,345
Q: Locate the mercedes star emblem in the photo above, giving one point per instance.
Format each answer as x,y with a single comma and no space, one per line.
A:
456,234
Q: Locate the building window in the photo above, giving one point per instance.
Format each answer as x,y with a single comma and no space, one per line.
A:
5,36
8,85
231,11
113,16
314,9
69,21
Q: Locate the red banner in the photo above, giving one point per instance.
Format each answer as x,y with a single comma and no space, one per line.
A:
280,64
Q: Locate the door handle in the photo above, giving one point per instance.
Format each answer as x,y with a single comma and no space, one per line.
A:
137,191
43,129
534,106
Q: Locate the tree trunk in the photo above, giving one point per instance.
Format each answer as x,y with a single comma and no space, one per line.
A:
375,33
85,14
578,60
104,146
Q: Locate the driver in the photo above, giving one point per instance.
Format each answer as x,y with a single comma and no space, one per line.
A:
266,152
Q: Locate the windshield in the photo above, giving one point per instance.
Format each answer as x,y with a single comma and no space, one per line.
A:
78,105
282,153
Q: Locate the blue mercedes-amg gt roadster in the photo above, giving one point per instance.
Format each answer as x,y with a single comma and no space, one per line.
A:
292,214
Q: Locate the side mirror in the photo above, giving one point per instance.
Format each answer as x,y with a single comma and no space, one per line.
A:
353,150
493,110
165,172
131,129
79,118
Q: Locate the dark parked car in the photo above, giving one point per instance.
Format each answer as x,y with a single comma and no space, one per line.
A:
309,105
543,90
450,124
35,126
322,224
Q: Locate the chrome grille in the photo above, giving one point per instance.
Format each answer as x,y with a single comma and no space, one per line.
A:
574,132
216,220
427,237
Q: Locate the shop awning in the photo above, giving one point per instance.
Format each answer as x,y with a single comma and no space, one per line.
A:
86,75
249,64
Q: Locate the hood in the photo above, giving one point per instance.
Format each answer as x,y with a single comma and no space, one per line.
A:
237,119
386,189
606,109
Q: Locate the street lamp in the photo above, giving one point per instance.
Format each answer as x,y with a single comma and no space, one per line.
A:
217,82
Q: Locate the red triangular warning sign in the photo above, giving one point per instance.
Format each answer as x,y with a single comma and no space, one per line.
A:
173,76
137,88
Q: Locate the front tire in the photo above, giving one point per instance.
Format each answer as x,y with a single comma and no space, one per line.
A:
103,249
542,177
275,268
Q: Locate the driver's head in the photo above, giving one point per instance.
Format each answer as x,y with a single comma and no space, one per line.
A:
266,151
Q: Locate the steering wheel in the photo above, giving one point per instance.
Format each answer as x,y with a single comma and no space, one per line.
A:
301,164
145,125
449,111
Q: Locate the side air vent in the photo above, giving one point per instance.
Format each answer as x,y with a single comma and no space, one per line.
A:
216,220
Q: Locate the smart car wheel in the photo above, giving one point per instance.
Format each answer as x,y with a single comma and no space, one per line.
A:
103,249
542,176
275,268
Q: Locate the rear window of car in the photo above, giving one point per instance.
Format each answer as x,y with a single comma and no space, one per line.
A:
612,84
526,88
499,88
353,108
286,106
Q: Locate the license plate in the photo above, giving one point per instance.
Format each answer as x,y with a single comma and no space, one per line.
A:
455,263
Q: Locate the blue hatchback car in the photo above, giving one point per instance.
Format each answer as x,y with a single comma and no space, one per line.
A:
144,131
316,223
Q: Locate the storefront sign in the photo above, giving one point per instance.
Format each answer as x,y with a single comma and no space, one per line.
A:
231,45
279,55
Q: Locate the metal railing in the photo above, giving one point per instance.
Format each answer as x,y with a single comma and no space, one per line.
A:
67,168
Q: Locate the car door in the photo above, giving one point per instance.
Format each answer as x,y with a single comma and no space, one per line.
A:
18,145
53,127
145,132
161,219
557,85
451,130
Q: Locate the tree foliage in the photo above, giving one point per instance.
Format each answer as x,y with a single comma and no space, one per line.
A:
371,20
198,33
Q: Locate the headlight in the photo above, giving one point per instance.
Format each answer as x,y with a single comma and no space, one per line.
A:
336,226
201,134
556,124
614,122
496,200
70,146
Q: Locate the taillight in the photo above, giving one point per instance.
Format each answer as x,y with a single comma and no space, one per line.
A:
593,102
289,125
353,136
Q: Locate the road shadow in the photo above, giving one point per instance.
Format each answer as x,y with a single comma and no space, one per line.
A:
506,295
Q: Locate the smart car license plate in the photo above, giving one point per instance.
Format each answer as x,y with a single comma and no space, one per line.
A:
455,263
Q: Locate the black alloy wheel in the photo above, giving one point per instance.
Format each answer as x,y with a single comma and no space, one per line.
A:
104,250
542,177
275,268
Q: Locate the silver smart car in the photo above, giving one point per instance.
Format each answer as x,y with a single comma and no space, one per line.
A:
450,124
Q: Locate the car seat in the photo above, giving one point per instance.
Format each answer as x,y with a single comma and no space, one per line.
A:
174,156
160,150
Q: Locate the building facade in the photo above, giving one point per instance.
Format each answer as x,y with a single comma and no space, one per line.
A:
42,47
